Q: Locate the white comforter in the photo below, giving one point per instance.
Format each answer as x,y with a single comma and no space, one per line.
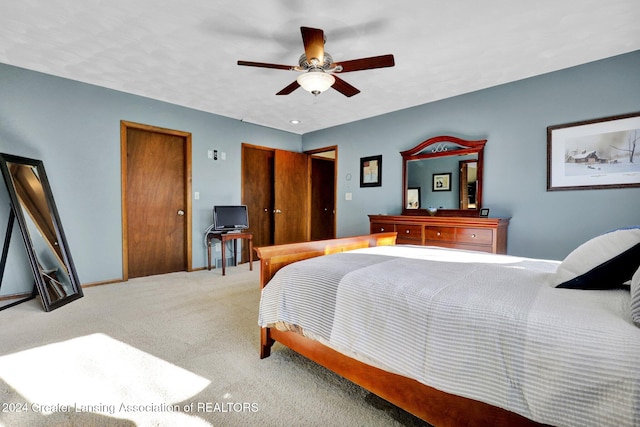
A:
488,327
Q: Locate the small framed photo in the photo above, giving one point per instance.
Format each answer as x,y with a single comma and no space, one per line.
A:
371,171
442,182
484,212
413,198
599,153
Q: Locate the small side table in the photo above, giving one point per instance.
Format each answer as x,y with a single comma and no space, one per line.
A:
224,238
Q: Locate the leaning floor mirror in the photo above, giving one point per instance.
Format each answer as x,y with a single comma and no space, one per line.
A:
34,209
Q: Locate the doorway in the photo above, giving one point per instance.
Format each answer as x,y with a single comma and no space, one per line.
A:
156,200
290,196
323,193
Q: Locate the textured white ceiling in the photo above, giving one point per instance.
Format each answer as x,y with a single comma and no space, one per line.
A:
185,51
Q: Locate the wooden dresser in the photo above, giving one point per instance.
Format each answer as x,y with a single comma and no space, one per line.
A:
473,233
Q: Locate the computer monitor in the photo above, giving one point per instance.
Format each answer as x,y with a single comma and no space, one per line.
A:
230,218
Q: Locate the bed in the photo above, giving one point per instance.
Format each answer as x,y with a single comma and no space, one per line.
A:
461,337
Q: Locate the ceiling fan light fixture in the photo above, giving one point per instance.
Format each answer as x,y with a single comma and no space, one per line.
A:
315,81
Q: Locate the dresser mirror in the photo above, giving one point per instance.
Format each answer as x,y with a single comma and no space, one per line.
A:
443,172
34,210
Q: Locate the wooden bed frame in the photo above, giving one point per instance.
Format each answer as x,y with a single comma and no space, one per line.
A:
434,406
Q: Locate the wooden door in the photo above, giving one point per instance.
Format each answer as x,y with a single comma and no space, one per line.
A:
291,197
257,193
322,198
156,200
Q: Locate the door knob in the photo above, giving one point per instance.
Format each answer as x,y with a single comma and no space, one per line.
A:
180,212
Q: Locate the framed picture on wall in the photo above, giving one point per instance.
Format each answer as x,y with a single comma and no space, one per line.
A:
442,181
599,153
371,171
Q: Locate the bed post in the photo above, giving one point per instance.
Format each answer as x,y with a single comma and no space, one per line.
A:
265,342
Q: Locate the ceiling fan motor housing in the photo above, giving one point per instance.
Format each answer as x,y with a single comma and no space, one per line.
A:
313,63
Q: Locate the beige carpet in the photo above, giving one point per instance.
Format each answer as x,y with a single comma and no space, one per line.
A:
173,350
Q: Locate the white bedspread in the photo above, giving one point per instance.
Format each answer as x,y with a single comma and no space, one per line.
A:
487,327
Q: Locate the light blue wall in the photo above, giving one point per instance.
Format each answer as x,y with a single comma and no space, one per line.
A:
513,118
75,129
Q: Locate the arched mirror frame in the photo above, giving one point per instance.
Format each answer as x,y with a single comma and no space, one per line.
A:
437,147
43,280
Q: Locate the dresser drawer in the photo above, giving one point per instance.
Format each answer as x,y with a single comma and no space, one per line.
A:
443,234
476,236
409,233
381,227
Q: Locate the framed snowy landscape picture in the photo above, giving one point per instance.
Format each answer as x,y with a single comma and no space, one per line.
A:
599,153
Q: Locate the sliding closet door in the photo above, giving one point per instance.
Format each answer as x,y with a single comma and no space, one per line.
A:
292,197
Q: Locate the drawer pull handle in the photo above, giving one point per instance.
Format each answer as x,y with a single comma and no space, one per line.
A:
438,233
407,231
473,236
381,228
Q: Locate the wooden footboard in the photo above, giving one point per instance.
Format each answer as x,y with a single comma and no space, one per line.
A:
273,258
432,405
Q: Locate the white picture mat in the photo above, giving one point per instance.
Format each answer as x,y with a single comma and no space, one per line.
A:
586,137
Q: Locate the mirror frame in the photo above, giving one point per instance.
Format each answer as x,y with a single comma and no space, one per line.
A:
40,282
422,151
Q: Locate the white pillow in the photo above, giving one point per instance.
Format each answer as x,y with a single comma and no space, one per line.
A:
635,298
604,262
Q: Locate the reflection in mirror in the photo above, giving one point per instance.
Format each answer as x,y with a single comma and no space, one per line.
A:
420,175
39,223
444,156
468,183
413,198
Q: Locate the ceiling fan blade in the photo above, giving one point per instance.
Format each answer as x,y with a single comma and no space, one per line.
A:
381,61
344,88
266,65
313,40
287,90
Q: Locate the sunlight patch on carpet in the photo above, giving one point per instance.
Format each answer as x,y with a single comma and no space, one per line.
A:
98,374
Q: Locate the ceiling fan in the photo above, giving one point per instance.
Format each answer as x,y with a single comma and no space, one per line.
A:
318,69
